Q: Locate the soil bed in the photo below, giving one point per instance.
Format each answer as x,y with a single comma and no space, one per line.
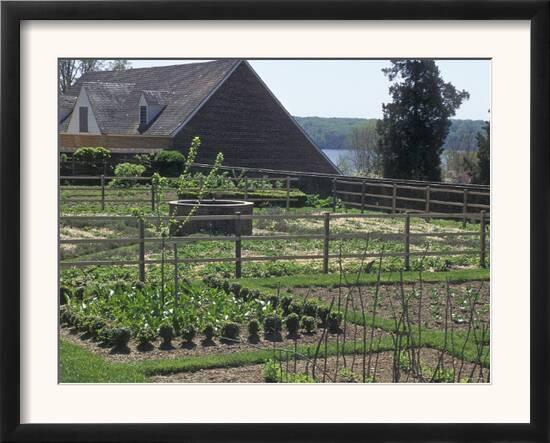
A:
382,362
200,347
433,301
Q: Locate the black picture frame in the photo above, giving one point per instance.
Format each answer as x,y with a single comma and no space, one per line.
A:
15,12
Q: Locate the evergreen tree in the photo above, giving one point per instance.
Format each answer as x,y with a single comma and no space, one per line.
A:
416,123
484,155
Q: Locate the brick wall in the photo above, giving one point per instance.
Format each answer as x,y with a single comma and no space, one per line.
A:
69,142
243,121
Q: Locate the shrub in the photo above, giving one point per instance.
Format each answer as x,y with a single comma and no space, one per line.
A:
127,170
79,293
188,333
286,300
235,289
292,323
95,325
295,308
273,300
169,163
253,328
309,308
105,335
145,335
272,324
230,330
226,286
64,295
120,337
308,323
323,313
244,294
65,315
254,294
93,157
334,321
209,331
166,331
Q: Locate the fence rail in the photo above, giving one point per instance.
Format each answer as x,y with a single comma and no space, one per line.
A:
238,258
359,194
155,199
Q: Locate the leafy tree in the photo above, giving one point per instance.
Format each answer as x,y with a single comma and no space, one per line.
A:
416,123
484,155
70,69
365,156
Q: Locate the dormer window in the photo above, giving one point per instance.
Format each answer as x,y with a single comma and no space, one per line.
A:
143,116
83,118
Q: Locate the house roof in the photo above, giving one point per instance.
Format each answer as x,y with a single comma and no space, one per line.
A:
114,95
65,107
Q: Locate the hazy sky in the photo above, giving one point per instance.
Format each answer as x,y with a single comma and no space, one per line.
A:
356,88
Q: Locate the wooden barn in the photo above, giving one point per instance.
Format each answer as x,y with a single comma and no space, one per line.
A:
224,102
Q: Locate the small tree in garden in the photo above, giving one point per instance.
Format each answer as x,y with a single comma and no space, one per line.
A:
164,224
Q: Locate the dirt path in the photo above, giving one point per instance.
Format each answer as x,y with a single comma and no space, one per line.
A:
381,365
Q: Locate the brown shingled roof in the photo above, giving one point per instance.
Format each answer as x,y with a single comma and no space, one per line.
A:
114,95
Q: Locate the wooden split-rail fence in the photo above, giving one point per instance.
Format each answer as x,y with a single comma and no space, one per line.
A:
399,197
326,236
155,199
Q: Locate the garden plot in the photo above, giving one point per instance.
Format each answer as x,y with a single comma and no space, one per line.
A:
445,236
428,304
345,370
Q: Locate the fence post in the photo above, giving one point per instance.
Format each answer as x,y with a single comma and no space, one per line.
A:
102,192
464,208
482,239
407,239
246,188
287,193
394,199
333,195
238,245
152,196
141,251
176,273
362,196
326,243
427,199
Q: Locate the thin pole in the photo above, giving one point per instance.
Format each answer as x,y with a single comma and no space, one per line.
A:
464,208
326,243
362,196
176,273
333,195
152,196
287,193
141,251
482,245
394,199
427,201
238,245
407,239
102,192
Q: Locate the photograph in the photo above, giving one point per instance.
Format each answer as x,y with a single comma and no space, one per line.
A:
274,220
